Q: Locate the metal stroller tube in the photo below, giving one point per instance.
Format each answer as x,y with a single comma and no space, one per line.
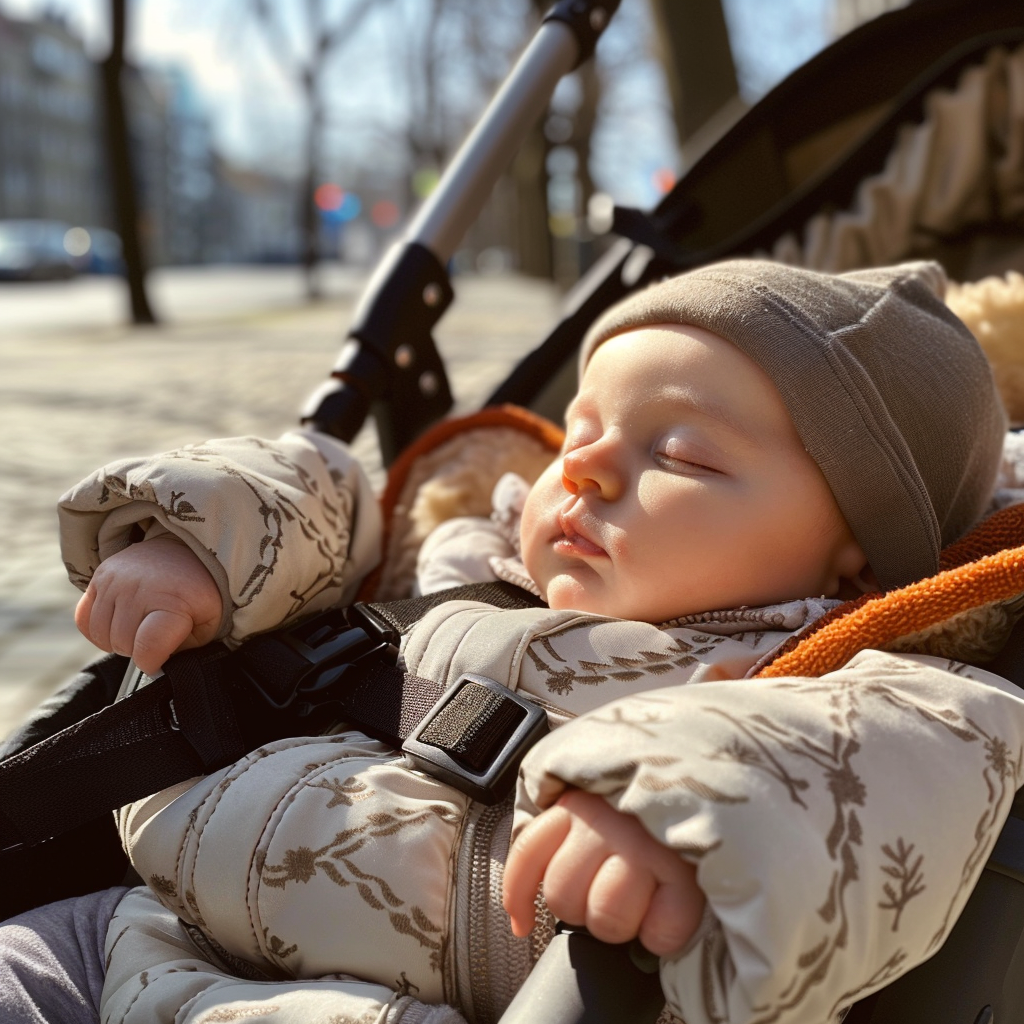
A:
581,980
389,365
454,205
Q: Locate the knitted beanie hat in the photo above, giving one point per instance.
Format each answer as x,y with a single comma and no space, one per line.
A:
888,390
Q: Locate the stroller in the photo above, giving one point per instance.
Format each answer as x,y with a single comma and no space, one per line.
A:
793,178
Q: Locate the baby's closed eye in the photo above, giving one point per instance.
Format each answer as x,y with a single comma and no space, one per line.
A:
684,455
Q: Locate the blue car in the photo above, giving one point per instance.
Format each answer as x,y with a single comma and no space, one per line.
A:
34,250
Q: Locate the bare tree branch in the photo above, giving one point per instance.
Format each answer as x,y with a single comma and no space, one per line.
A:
276,37
347,28
307,71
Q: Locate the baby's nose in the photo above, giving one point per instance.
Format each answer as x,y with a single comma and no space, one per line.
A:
590,468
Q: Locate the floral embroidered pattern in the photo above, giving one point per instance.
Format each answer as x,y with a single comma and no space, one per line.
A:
906,874
277,946
562,675
814,757
298,501
335,861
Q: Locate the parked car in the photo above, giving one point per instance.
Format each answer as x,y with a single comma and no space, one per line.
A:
33,250
95,250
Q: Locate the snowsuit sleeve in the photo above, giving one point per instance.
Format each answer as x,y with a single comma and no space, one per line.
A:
158,976
285,527
838,824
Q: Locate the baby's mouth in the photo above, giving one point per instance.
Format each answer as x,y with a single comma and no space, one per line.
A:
573,542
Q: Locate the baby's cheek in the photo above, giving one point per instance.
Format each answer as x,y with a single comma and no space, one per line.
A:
531,537
535,570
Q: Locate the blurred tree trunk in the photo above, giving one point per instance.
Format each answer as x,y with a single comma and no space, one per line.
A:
309,214
581,246
307,72
540,254
530,178
119,159
697,59
583,128
427,139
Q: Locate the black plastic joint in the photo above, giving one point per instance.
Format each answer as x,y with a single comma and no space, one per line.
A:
412,292
391,351
587,19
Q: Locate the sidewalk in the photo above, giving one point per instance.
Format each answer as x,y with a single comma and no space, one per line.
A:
71,400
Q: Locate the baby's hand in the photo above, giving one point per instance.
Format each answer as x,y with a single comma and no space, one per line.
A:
602,869
150,600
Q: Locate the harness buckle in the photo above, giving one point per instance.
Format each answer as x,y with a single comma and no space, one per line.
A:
475,737
335,649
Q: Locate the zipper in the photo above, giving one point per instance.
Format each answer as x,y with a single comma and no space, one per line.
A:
490,963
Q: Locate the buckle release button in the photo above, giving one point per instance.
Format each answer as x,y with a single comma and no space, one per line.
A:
474,725
475,737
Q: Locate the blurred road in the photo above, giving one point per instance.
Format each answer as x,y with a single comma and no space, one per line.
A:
180,294
238,353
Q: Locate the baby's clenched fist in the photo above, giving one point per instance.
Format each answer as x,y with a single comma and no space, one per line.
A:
150,600
602,869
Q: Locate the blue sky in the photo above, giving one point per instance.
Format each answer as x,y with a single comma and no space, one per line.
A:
249,101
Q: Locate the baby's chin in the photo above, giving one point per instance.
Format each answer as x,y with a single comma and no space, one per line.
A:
582,589
566,593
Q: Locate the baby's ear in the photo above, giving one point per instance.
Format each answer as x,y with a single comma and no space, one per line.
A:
864,582
855,575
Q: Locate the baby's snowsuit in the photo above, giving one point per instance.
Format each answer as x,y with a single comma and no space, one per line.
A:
838,824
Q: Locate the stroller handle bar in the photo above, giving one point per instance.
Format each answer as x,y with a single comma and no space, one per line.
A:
554,51
389,364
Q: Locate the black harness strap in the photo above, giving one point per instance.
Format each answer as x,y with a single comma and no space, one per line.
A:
212,706
401,615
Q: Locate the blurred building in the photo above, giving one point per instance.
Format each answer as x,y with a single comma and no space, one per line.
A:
180,189
194,207
50,130
253,217
174,164
146,111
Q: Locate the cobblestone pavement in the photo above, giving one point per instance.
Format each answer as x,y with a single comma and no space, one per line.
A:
72,399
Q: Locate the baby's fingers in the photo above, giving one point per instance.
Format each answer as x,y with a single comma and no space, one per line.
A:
158,636
83,613
674,913
619,894
527,861
94,616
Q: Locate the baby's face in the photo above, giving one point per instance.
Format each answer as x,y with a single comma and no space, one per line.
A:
682,487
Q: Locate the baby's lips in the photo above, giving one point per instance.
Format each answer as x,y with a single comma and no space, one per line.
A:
581,545
575,539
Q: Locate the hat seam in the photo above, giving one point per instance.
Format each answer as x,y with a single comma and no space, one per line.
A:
907,478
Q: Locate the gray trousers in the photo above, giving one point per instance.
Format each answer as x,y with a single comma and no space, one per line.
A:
51,961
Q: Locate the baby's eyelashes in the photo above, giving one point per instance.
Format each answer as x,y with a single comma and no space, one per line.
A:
679,455
681,465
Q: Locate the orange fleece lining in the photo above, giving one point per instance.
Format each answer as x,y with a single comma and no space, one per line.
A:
979,569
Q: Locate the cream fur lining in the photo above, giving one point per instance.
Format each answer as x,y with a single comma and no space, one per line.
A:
456,478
